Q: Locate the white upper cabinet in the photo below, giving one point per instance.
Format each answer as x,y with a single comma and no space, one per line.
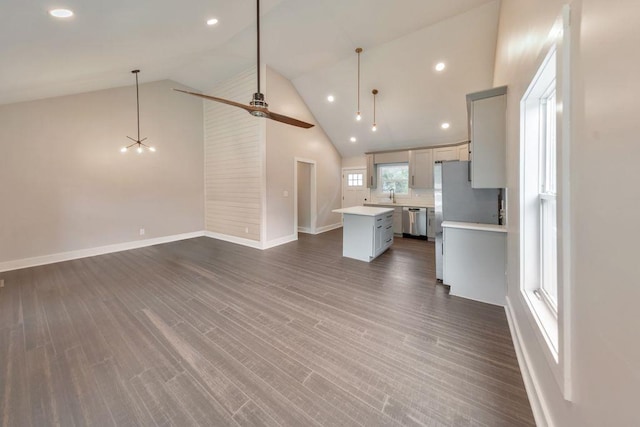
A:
445,153
487,132
421,168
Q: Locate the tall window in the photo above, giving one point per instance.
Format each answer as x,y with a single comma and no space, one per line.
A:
548,219
394,176
545,204
539,241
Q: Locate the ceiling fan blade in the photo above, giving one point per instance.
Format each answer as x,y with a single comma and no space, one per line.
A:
289,120
248,108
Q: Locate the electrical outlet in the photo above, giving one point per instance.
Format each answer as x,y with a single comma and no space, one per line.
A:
1,283
142,231
246,230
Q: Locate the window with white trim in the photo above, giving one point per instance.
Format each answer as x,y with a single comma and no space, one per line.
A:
394,176
355,180
539,254
545,204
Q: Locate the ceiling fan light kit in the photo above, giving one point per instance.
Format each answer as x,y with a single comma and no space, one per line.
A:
138,143
258,106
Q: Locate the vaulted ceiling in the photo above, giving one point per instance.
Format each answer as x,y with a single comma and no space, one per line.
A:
311,42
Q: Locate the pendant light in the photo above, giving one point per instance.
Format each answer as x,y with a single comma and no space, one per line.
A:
138,143
358,116
374,127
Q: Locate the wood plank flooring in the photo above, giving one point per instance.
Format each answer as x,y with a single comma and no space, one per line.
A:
204,332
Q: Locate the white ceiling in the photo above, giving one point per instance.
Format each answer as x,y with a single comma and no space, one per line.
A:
311,42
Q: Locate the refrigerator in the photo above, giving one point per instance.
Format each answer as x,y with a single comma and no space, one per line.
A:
455,200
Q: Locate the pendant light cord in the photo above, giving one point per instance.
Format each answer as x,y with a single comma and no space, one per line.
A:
358,51
358,82
374,92
137,103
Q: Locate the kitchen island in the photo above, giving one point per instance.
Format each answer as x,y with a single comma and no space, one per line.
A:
367,231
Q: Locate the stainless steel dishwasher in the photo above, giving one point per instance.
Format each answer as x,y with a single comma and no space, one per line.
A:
414,222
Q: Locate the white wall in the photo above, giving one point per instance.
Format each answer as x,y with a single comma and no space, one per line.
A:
605,340
284,143
354,162
234,161
65,186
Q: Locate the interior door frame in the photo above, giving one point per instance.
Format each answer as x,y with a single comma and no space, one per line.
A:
344,171
313,195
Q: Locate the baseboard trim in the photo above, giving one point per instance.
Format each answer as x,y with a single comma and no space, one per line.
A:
101,250
326,228
306,230
233,239
538,407
280,241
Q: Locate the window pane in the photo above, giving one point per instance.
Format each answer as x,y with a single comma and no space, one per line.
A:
550,143
548,220
355,180
549,250
394,177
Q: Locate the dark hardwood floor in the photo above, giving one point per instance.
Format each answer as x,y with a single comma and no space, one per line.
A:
204,332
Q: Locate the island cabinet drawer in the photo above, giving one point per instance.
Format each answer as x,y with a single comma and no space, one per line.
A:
387,237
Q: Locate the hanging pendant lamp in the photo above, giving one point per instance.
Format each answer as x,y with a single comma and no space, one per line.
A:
358,116
374,127
138,143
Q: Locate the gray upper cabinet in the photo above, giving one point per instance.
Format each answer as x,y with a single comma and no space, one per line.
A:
421,168
487,133
371,172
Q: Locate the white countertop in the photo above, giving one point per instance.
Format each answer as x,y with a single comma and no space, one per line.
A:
475,226
363,210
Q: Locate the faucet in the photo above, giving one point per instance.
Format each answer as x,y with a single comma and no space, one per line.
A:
392,195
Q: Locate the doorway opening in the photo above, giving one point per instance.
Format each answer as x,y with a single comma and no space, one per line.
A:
305,205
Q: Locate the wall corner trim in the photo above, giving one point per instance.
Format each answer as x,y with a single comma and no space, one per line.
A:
252,243
233,239
280,241
531,383
329,227
100,250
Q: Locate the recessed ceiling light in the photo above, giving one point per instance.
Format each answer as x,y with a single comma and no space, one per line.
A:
61,13
353,139
440,66
212,21
331,98
445,125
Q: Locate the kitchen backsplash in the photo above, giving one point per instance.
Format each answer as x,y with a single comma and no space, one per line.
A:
415,196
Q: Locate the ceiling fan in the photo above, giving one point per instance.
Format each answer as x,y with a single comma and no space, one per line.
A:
257,107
